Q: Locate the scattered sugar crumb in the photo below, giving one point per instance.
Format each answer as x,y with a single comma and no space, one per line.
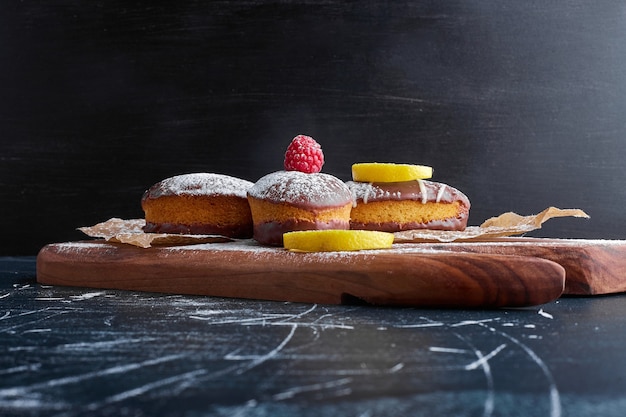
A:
86,296
544,314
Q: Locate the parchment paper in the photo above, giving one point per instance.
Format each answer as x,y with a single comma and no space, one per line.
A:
131,232
507,224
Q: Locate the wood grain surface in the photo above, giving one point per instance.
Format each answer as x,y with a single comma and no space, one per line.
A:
593,267
414,277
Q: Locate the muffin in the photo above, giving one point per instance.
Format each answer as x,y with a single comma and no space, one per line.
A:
199,203
286,201
407,205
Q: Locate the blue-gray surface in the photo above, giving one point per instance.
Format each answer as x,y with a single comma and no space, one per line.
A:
72,351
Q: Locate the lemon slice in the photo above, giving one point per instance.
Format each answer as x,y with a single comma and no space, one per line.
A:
336,240
387,172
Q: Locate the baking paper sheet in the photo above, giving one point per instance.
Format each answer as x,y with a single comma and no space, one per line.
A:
507,224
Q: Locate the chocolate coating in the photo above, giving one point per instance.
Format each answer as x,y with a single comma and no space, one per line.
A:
364,192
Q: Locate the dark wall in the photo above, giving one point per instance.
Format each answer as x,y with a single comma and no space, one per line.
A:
520,104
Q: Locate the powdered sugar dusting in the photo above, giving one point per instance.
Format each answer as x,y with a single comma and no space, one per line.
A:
299,188
367,190
251,247
200,184
248,245
81,246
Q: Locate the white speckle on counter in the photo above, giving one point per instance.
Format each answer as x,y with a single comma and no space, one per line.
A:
86,296
544,314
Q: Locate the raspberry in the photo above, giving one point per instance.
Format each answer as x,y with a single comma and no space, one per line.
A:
304,154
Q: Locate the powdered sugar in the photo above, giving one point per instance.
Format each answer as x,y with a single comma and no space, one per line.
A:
81,246
302,189
248,245
366,191
251,247
200,184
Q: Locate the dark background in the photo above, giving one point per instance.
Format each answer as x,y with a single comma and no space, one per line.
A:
520,104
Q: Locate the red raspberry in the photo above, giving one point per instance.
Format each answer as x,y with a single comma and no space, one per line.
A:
304,154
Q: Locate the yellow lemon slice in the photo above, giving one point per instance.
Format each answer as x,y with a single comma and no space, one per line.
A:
336,240
387,172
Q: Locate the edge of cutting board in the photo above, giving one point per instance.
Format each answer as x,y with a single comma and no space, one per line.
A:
593,266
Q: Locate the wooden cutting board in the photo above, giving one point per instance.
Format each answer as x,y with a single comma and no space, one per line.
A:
408,275
506,272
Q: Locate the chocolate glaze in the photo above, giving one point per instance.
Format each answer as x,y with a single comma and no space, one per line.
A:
242,231
307,191
271,233
363,192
